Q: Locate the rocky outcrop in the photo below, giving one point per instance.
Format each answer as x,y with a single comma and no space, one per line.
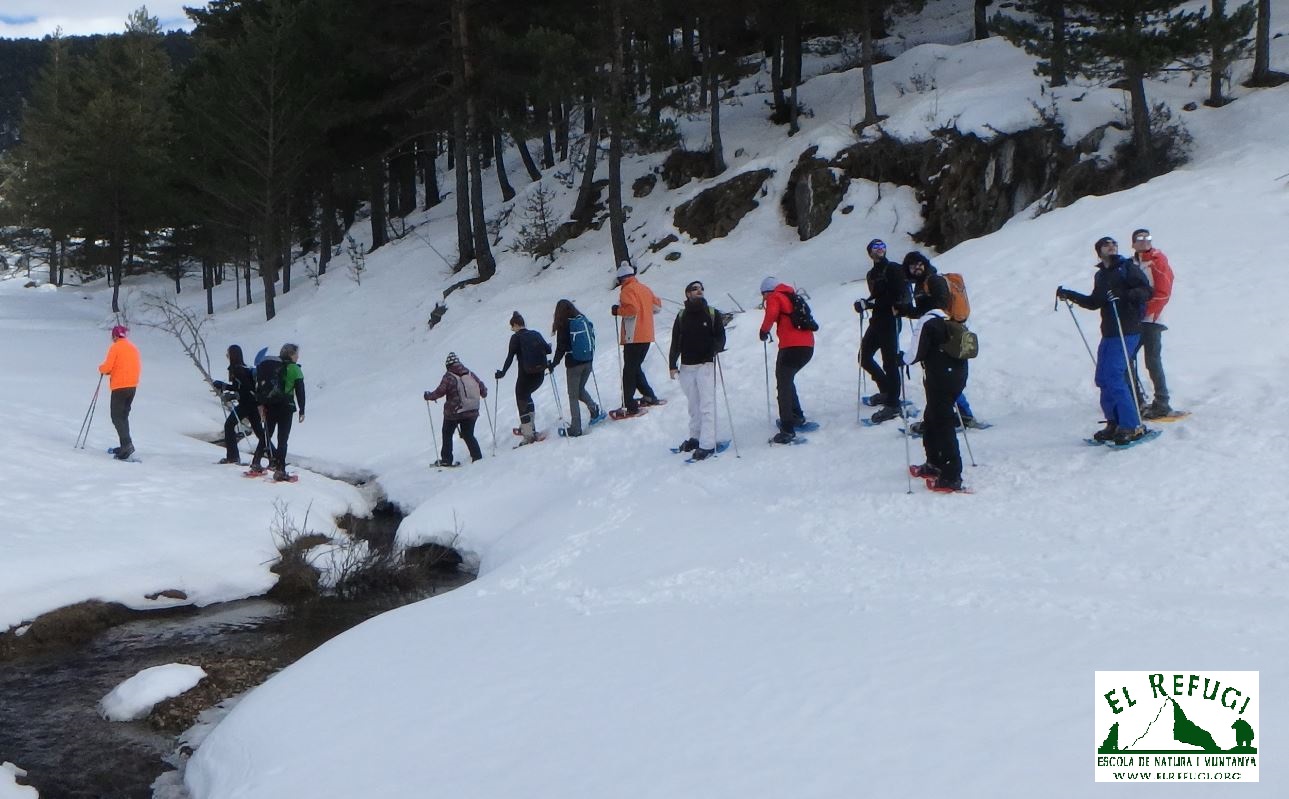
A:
683,166
815,189
715,211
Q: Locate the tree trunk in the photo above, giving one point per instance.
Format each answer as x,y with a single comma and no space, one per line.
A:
793,69
403,170
460,145
284,265
714,75
375,169
657,70
687,46
1217,69
1059,46
327,226
543,112
1262,46
208,282
430,159
503,180
1144,157
780,110
868,54
582,209
482,252
247,266
117,250
561,130
982,19
617,215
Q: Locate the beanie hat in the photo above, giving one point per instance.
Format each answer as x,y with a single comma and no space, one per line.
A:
451,360
1101,242
875,244
625,270
119,331
916,257
768,284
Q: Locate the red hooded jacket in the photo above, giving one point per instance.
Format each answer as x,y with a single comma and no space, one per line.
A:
1155,264
778,310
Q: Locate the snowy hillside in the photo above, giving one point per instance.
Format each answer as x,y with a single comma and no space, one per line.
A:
776,622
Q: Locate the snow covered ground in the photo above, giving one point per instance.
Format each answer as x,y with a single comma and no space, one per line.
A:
777,622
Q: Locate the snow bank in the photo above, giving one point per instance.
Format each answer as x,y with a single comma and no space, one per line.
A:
135,698
9,787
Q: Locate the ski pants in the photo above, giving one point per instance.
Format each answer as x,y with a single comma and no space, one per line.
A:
964,407
939,425
633,376
1117,402
698,381
575,377
235,416
883,334
466,426
790,361
277,418
1152,334
525,385
122,400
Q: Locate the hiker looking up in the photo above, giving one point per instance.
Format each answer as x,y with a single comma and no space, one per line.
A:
697,335
887,296
1154,265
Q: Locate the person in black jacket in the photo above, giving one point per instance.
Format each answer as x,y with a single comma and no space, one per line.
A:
931,291
888,296
1120,291
944,378
239,394
531,350
697,335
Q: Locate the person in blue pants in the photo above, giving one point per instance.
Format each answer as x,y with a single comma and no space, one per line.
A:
1119,291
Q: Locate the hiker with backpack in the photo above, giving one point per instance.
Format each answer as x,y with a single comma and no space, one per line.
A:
239,394
1119,291
463,392
636,306
1154,265
531,350
944,376
697,335
122,365
888,296
796,347
948,293
279,388
575,345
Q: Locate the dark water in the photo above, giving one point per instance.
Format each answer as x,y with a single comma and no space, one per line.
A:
49,724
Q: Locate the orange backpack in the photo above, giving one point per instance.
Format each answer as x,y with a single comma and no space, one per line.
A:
959,306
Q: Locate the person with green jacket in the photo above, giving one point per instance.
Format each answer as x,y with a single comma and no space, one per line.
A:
280,392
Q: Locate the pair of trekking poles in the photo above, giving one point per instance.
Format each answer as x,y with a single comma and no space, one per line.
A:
1118,323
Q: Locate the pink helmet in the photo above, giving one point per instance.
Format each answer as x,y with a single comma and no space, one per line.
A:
119,331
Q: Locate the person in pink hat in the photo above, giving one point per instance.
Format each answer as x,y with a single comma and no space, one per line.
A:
122,366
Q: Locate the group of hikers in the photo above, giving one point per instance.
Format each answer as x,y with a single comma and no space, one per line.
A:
1130,293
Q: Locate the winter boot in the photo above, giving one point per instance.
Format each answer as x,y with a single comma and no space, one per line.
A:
234,461
526,430
688,445
1127,435
701,454
875,399
280,476
123,453
783,438
257,468
970,421
944,484
916,429
1156,410
1106,433
924,471
885,414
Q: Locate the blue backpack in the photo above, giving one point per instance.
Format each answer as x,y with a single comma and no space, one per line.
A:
581,335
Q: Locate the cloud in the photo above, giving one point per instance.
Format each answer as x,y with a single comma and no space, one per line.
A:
34,19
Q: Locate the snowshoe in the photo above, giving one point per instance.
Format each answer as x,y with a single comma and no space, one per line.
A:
229,461
442,464
942,486
1130,442
652,401
802,426
1172,416
688,445
280,476
924,471
721,446
619,414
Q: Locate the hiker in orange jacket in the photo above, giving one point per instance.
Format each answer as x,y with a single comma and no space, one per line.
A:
1155,265
636,307
122,366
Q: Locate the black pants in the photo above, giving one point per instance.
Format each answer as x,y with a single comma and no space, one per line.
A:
883,334
122,399
939,425
466,426
1152,342
251,414
525,385
633,376
276,419
786,366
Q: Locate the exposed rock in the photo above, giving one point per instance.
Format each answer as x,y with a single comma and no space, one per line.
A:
716,211
670,238
674,255
169,593
66,626
643,185
814,191
683,166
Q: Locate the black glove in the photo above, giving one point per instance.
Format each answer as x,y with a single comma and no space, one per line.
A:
220,385
1110,296
498,374
550,367
614,310
229,396
427,396
765,335
860,307
1062,294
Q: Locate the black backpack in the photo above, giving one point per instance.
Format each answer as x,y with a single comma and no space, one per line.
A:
532,352
800,316
268,382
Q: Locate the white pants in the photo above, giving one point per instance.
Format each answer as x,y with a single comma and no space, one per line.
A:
699,384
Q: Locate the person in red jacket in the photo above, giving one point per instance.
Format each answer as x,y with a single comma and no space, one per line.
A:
1155,264
122,366
796,347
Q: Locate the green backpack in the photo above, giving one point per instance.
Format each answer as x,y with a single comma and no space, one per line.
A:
961,343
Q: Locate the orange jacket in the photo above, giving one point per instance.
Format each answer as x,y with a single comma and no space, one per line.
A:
122,364
1155,264
637,305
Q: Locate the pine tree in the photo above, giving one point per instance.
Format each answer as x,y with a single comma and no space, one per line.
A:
1227,38
1042,32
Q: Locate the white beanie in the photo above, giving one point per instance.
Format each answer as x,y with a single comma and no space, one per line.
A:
768,284
625,270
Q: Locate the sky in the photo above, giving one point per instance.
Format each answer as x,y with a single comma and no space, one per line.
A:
34,19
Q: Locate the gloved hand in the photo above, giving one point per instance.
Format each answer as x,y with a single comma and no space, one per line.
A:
220,385
1062,293
860,306
550,367
614,310
765,335
427,396
498,374
229,396
1110,296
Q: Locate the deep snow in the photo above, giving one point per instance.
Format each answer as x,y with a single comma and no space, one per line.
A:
777,622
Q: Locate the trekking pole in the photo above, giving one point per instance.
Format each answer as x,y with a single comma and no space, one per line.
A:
492,414
559,407
765,349
83,436
434,436
1070,306
599,401
862,388
1128,364
622,385
908,433
729,413
965,437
